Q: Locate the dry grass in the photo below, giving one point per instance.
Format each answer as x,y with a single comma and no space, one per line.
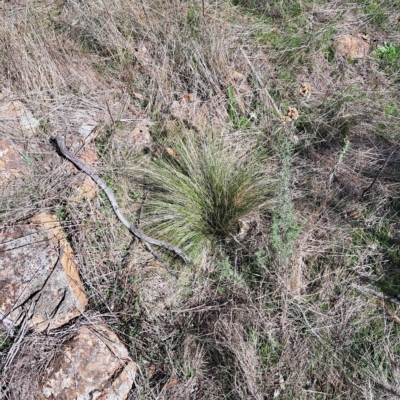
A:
274,315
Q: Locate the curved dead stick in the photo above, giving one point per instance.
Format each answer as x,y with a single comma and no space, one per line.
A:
109,193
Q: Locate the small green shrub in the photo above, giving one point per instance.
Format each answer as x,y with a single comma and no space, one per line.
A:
376,12
285,230
389,57
237,119
198,196
5,342
388,52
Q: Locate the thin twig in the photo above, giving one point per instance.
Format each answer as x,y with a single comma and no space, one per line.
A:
383,167
389,311
202,308
342,154
109,112
109,193
261,84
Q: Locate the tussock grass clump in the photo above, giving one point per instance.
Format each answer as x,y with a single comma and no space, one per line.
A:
198,196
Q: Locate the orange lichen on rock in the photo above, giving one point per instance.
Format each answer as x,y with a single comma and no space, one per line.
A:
11,164
94,361
35,283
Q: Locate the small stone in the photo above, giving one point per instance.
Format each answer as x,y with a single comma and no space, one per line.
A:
29,123
12,108
93,365
352,47
84,121
16,110
86,129
86,188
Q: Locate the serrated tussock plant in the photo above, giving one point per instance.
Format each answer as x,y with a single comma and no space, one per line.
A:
198,196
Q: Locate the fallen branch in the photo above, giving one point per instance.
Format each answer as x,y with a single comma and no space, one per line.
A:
380,296
109,193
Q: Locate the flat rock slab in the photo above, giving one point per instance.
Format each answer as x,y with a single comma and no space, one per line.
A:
11,164
14,114
36,284
93,365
